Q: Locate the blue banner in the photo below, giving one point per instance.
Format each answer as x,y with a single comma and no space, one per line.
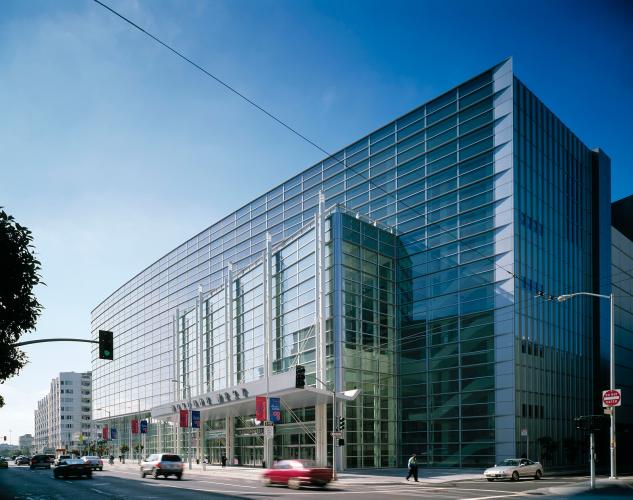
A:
113,433
275,410
195,419
143,426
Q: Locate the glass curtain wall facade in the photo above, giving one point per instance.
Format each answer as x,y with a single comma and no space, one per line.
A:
479,193
555,357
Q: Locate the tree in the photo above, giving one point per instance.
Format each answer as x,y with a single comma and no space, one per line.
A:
102,447
19,309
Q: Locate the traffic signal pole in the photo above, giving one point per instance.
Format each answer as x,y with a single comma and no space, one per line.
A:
592,462
19,344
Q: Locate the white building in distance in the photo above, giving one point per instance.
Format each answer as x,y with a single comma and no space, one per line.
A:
62,417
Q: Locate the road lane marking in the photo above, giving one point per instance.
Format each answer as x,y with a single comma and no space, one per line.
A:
520,494
224,484
99,491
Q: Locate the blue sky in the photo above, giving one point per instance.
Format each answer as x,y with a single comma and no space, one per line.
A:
113,151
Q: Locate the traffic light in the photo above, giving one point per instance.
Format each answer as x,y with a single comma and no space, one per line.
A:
592,422
341,423
341,442
300,377
5,438
106,345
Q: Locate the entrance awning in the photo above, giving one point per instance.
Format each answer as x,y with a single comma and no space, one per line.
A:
240,399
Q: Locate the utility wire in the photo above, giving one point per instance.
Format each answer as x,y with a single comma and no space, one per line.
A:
278,120
211,75
287,126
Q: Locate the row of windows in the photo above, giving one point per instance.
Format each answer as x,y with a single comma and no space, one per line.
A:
292,187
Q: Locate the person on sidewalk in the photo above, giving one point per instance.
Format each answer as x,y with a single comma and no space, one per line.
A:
223,459
413,468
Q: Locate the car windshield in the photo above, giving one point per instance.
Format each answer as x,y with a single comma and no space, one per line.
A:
511,462
170,458
71,461
91,458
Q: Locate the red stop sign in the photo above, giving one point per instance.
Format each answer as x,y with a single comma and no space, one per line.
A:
611,397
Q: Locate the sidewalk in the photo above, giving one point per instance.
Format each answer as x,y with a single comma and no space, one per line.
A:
623,486
356,476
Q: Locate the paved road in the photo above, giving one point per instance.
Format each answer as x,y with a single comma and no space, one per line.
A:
121,484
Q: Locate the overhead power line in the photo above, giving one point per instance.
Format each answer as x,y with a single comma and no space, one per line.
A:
291,129
211,75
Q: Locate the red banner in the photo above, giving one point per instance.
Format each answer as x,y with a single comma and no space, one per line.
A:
134,426
260,408
105,434
184,418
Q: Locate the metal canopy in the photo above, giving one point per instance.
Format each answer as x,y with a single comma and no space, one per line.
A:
241,398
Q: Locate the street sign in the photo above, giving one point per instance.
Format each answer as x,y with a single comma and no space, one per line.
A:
134,425
612,397
337,434
269,431
143,426
524,432
608,411
195,419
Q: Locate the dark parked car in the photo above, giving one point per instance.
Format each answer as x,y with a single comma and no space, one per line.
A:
70,467
3,463
22,460
297,473
40,462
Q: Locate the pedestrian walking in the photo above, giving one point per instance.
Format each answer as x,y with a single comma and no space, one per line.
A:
412,464
223,459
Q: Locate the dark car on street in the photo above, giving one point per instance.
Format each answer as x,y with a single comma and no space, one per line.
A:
72,467
40,462
297,473
22,460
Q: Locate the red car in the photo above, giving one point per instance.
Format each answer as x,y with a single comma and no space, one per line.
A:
297,473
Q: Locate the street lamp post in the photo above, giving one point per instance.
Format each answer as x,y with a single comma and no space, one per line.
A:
352,394
189,423
138,420
563,298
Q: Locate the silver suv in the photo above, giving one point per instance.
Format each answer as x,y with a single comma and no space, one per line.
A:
162,464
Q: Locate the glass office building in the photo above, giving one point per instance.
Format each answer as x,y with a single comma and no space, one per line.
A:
405,265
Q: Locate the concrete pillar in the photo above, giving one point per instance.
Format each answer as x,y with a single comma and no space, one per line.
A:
320,432
230,440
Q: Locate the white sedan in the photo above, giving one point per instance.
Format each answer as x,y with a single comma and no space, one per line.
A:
514,468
